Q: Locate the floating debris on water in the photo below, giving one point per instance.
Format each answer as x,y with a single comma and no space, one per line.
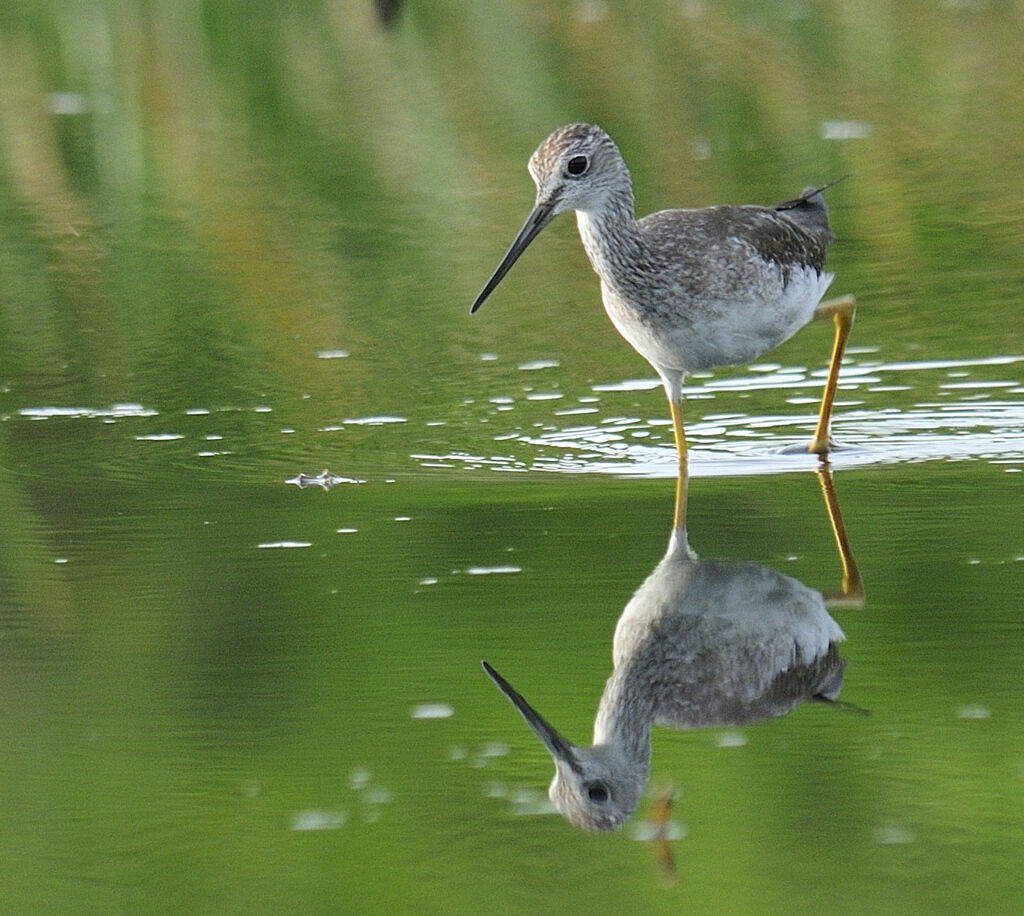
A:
325,480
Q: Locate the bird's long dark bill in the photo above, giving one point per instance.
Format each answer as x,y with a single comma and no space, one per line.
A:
557,746
539,217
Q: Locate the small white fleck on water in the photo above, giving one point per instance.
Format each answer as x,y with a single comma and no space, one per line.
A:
492,570
432,711
317,819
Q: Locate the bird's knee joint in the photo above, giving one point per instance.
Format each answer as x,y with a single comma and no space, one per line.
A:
841,309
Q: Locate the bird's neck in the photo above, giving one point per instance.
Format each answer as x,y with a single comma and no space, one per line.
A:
610,235
624,718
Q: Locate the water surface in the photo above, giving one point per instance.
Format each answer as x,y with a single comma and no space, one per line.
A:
237,249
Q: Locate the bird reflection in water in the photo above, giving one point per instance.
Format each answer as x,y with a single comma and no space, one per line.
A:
701,643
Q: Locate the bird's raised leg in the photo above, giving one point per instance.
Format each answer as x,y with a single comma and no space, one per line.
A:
852,588
841,311
676,406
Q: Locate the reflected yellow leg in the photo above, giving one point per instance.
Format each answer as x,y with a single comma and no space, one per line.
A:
853,587
681,483
661,815
841,311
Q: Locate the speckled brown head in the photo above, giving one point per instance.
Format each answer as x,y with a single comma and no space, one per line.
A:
576,168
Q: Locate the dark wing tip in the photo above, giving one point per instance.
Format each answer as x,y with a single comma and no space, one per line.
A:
808,195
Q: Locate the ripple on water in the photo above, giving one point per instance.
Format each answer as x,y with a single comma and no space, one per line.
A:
115,411
968,415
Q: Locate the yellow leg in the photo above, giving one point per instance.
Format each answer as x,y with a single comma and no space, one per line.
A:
661,815
676,408
853,588
841,311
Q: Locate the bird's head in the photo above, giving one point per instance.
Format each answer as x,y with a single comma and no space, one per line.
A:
578,167
594,788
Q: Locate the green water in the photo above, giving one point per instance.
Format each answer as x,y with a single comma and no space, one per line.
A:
238,243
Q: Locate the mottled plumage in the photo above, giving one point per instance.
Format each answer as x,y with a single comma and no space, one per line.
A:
700,643
689,289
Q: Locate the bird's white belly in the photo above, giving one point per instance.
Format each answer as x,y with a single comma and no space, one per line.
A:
713,332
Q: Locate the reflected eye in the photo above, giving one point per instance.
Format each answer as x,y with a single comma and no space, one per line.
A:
597,792
577,166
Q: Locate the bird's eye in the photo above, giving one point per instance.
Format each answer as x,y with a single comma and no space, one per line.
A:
597,792
577,166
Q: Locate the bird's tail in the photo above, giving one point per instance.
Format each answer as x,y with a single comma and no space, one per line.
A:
811,197
810,211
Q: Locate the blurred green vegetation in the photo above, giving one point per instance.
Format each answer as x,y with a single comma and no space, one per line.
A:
225,180
197,198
